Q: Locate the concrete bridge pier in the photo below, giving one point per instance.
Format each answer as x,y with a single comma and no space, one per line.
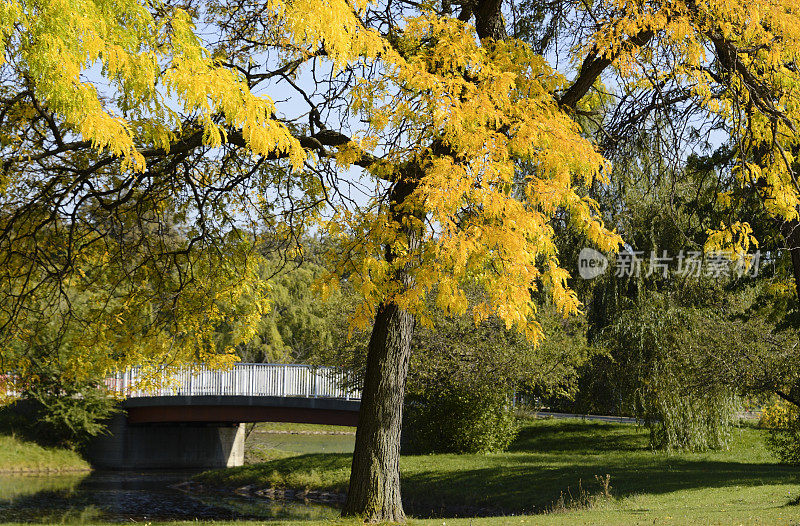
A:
168,445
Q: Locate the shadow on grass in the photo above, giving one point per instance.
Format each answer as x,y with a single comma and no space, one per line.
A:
533,489
551,457
548,458
577,437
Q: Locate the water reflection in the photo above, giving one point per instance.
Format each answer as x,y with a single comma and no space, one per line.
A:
19,485
132,496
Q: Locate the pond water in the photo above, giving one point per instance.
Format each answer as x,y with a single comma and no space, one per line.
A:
134,496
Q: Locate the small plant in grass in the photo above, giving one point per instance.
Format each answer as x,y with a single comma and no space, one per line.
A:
583,498
605,484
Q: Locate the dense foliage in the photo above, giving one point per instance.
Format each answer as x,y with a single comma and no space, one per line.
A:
681,347
299,325
661,361
782,419
458,418
53,411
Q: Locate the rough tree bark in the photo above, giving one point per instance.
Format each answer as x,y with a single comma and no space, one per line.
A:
374,491
791,233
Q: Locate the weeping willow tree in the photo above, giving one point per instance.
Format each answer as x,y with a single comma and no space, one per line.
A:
660,374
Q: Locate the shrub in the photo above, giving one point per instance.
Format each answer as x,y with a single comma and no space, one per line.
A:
782,419
463,375
459,419
57,412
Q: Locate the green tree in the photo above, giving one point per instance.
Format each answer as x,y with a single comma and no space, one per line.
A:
662,331
299,325
56,411
660,370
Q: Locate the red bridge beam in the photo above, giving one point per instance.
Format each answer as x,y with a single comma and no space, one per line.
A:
238,414
238,409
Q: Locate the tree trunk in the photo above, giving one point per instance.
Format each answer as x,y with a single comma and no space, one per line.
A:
791,233
374,491
375,475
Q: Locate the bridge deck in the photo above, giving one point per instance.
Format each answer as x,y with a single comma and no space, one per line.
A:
243,379
244,393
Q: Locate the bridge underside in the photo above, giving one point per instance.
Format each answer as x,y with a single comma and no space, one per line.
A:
203,431
168,446
238,409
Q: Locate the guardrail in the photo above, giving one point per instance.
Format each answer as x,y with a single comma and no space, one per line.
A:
243,379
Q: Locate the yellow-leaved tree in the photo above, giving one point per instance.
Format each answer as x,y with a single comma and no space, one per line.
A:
143,162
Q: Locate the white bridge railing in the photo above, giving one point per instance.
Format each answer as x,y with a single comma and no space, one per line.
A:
243,379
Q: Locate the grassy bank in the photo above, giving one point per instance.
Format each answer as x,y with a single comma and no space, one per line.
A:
291,428
17,455
552,467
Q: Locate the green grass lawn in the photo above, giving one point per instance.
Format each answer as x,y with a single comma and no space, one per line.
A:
17,455
555,458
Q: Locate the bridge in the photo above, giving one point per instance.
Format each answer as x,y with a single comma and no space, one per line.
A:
193,417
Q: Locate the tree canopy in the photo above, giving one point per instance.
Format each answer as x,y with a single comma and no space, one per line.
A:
106,103
149,148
